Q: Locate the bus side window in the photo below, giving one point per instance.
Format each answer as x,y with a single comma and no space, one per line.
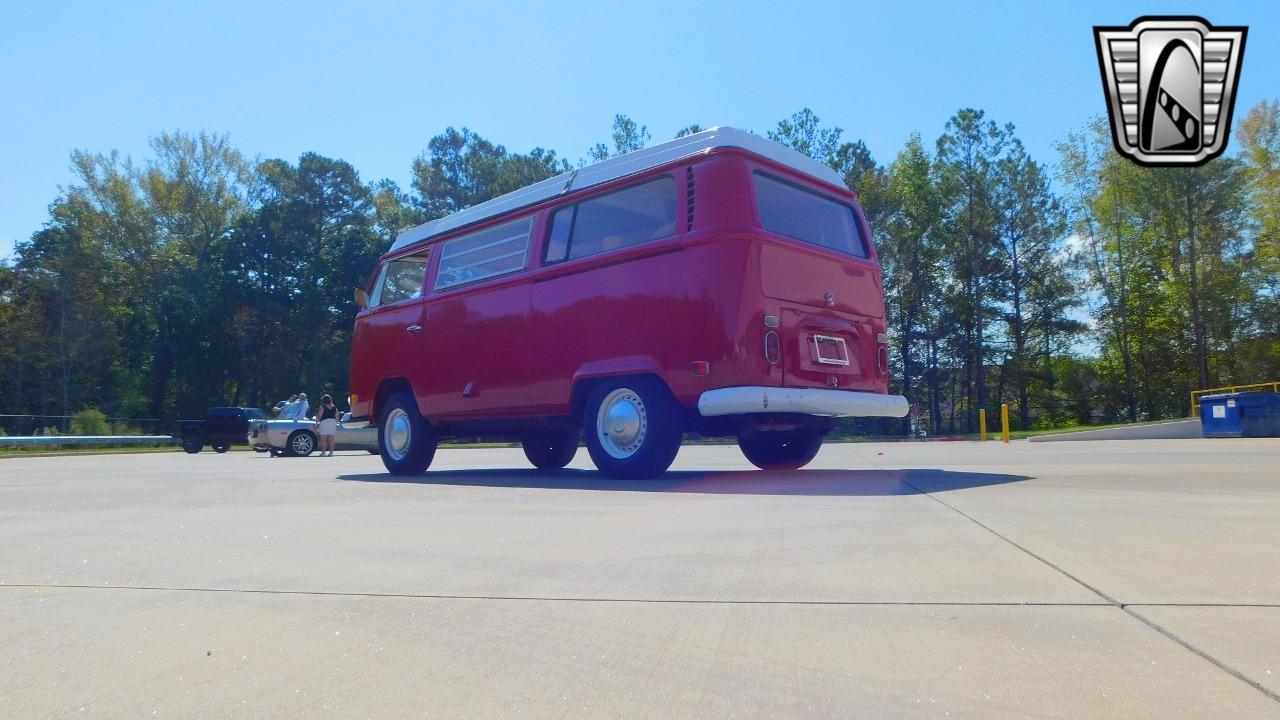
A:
558,238
618,219
631,216
484,254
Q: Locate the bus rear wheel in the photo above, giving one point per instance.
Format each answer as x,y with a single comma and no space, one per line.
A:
633,427
780,450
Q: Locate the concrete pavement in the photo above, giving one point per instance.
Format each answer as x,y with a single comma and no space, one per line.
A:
1108,579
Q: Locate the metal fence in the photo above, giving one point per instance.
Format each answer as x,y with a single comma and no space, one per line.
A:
43,425
57,441
54,431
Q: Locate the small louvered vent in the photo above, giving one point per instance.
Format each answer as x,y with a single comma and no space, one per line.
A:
689,173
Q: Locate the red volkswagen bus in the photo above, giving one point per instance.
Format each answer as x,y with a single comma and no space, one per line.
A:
719,283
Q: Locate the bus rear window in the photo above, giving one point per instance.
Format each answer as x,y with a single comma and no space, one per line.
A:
798,213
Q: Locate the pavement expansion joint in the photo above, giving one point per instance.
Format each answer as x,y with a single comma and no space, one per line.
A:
1199,605
541,598
690,601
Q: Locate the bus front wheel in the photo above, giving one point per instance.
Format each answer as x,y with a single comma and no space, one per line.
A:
406,440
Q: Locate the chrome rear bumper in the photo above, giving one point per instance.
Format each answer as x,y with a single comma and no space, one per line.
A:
804,401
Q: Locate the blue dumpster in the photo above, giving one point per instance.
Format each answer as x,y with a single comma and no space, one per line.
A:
1243,414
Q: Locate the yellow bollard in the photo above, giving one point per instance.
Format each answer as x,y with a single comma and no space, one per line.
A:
982,423
1004,421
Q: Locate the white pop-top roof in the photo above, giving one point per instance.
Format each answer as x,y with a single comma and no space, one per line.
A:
616,167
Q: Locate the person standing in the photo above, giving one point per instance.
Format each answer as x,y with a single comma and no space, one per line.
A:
327,424
300,411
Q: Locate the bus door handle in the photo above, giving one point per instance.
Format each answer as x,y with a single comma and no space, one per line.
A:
413,328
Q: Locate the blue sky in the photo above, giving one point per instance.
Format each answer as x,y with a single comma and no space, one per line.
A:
371,82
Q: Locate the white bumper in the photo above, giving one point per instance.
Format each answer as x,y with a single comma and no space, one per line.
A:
806,401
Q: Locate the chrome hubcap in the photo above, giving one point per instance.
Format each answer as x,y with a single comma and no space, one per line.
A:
397,433
303,444
622,423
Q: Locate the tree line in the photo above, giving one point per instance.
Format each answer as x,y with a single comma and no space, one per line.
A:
1094,291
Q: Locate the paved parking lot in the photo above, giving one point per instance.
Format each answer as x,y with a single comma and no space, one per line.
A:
1136,579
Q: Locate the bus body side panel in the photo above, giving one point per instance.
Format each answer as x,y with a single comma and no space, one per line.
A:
608,316
658,307
474,349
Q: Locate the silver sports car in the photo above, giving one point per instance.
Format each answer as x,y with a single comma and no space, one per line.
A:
298,438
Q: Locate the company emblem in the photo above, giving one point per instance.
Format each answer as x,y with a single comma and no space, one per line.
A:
1170,84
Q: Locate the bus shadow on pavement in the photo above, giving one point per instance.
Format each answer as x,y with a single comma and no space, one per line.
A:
814,482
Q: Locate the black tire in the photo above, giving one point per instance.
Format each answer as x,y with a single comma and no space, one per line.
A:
411,437
553,449
782,450
276,453
646,438
220,447
192,442
301,443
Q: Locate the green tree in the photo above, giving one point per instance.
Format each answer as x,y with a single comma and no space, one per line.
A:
194,188
517,171
1104,217
909,252
1168,251
290,268
803,132
394,210
1201,211
460,169
69,279
1030,228
1259,136
1053,332
968,177
627,136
